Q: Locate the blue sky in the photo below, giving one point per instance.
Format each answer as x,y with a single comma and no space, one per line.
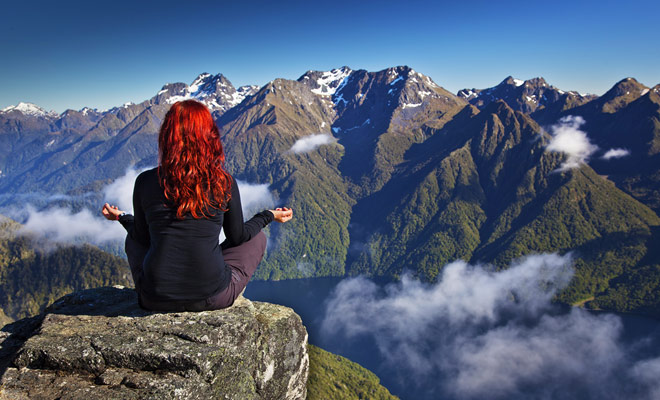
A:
72,54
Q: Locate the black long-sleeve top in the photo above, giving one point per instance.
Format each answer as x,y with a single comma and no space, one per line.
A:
184,259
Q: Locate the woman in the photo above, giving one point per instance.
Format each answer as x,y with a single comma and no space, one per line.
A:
180,207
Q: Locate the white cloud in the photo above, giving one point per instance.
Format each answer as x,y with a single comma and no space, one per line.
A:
615,153
567,138
65,226
312,142
483,334
62,225
120,192
307,269
647,373
255,197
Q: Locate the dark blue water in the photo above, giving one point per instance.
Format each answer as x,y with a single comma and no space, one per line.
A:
308,297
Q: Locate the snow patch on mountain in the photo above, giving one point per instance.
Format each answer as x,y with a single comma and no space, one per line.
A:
331,81
87,110
241,93
400,78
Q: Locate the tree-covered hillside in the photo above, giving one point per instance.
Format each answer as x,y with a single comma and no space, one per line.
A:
336,377
34,273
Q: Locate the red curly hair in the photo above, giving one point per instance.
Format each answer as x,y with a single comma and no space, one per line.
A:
191,161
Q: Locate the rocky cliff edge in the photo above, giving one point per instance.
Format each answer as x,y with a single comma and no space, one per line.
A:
98,344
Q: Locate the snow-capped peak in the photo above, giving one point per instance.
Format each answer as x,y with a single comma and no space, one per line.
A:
202,80
330,81
29,109
87,110
518,82
203,86
215,91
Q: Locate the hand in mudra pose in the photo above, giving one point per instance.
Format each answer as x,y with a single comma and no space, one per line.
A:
282,214
111,213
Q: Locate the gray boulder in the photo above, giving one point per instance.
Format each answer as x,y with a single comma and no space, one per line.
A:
98,344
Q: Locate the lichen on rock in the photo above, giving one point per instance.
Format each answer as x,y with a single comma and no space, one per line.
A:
98,344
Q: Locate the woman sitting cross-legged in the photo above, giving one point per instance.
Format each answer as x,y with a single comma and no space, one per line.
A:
180,207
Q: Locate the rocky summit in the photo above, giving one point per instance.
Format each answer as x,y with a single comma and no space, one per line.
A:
99,344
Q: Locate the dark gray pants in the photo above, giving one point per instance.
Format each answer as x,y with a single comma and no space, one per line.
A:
242,259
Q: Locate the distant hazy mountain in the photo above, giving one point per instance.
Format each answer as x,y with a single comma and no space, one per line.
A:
388,172
81,150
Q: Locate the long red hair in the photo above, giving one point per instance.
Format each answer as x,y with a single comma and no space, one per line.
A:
191,160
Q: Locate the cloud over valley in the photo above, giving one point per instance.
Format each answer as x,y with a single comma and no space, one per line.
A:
567,138
310,143
477,333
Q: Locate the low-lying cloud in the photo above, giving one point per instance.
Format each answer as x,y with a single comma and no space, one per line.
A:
255,197
567,138
483,334
615,153
120,192
63,225
312,142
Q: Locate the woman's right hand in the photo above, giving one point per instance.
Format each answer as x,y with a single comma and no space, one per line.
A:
282,214
111,213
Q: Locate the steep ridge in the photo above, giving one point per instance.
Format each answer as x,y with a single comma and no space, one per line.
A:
259,135
369,120
489,192
379,116
625,122
530,96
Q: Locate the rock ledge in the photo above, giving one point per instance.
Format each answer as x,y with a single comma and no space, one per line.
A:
98,344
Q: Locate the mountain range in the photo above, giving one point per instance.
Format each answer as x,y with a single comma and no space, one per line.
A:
402,176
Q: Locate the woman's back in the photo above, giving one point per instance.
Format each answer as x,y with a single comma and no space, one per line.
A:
184,261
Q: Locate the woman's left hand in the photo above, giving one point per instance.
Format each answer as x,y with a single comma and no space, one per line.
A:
282,214
111,213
